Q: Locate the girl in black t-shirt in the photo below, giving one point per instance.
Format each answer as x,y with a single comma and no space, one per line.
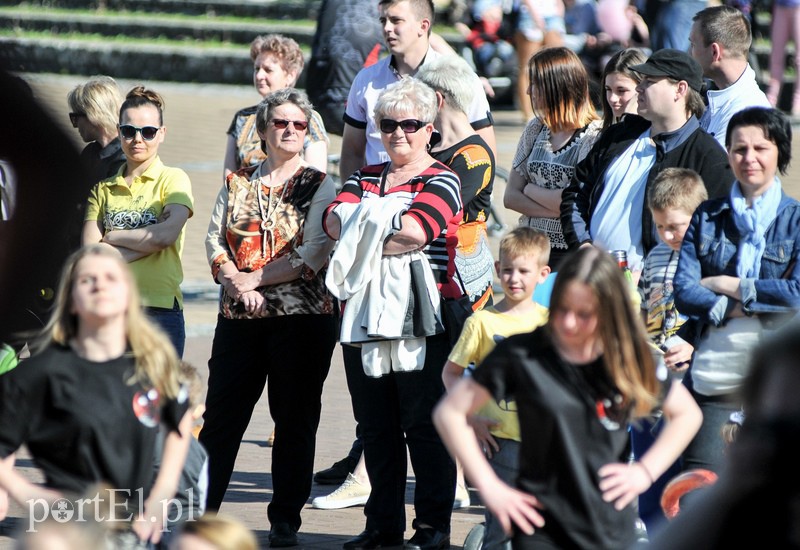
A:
577,382
88,404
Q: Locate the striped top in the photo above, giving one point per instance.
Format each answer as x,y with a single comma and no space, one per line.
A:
434,200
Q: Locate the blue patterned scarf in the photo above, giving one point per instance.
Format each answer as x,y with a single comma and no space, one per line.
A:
752,223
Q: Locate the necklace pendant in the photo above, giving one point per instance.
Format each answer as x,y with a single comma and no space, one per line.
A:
267,225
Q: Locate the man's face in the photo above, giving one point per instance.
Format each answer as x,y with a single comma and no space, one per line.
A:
703,54
402,28
656,97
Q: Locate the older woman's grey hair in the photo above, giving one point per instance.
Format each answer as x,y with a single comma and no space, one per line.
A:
276,99
409,98
452,77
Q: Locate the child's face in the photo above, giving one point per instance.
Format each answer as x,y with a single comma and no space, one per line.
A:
620,94
520,275
574,321
671,224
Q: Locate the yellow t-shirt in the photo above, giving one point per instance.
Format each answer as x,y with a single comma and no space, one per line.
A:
117,206
482,330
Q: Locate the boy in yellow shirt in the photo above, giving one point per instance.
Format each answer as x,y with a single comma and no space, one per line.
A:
524,254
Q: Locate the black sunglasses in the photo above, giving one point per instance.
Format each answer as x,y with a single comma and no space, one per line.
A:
73,118
282,124
128,131
409,125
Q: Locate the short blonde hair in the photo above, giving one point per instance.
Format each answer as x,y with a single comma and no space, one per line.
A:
99,98
452,77
284,48
677,188
407,96
525,241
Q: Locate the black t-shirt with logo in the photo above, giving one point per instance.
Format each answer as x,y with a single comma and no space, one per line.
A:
571,424
84,422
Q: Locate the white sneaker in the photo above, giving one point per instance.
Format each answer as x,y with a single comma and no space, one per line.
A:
349,493
462,497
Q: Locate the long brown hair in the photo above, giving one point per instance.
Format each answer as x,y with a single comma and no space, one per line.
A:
156,361
626,352
561,85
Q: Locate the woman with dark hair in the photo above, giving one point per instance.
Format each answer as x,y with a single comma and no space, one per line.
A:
559,136
142,212
619,83
277,64
577,382
267,250
738,274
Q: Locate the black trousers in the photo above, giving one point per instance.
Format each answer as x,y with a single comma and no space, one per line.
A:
394,411
294,352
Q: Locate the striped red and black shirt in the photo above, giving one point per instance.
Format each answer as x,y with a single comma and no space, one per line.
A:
434,200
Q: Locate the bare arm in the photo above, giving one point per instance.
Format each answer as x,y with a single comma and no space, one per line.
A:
354,146
487,133
13,484
155,237
176,446
509,505
621,483
534,203
411,237
230,164
723,284
92,232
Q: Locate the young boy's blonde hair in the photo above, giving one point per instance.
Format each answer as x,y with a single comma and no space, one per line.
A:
524,241
678,189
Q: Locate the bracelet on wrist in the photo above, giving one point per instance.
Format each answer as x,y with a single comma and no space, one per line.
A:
646,471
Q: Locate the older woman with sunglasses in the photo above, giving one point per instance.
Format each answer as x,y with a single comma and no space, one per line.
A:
276,319
142,212
395,381
277,64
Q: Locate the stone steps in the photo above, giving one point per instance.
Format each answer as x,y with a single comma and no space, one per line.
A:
272,9
77,42
139,26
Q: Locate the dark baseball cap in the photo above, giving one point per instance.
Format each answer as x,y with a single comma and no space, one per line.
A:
674,64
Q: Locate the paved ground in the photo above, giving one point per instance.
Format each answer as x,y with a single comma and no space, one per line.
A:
197,117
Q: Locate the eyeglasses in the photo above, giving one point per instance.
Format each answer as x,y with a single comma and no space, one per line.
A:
129,131
282,124
409,125
73,118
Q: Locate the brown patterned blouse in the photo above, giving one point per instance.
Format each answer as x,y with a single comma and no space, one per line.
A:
253,224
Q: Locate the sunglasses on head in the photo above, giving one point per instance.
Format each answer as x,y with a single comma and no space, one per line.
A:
73,118
282,124
128,131
409,125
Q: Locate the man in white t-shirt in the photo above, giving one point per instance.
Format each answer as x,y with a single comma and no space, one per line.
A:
720,41
407,31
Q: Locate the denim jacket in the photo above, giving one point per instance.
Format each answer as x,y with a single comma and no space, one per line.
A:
710,248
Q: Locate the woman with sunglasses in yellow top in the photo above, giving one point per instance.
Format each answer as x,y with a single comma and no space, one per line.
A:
142,211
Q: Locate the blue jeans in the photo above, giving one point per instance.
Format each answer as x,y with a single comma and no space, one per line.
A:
172,323
505,464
